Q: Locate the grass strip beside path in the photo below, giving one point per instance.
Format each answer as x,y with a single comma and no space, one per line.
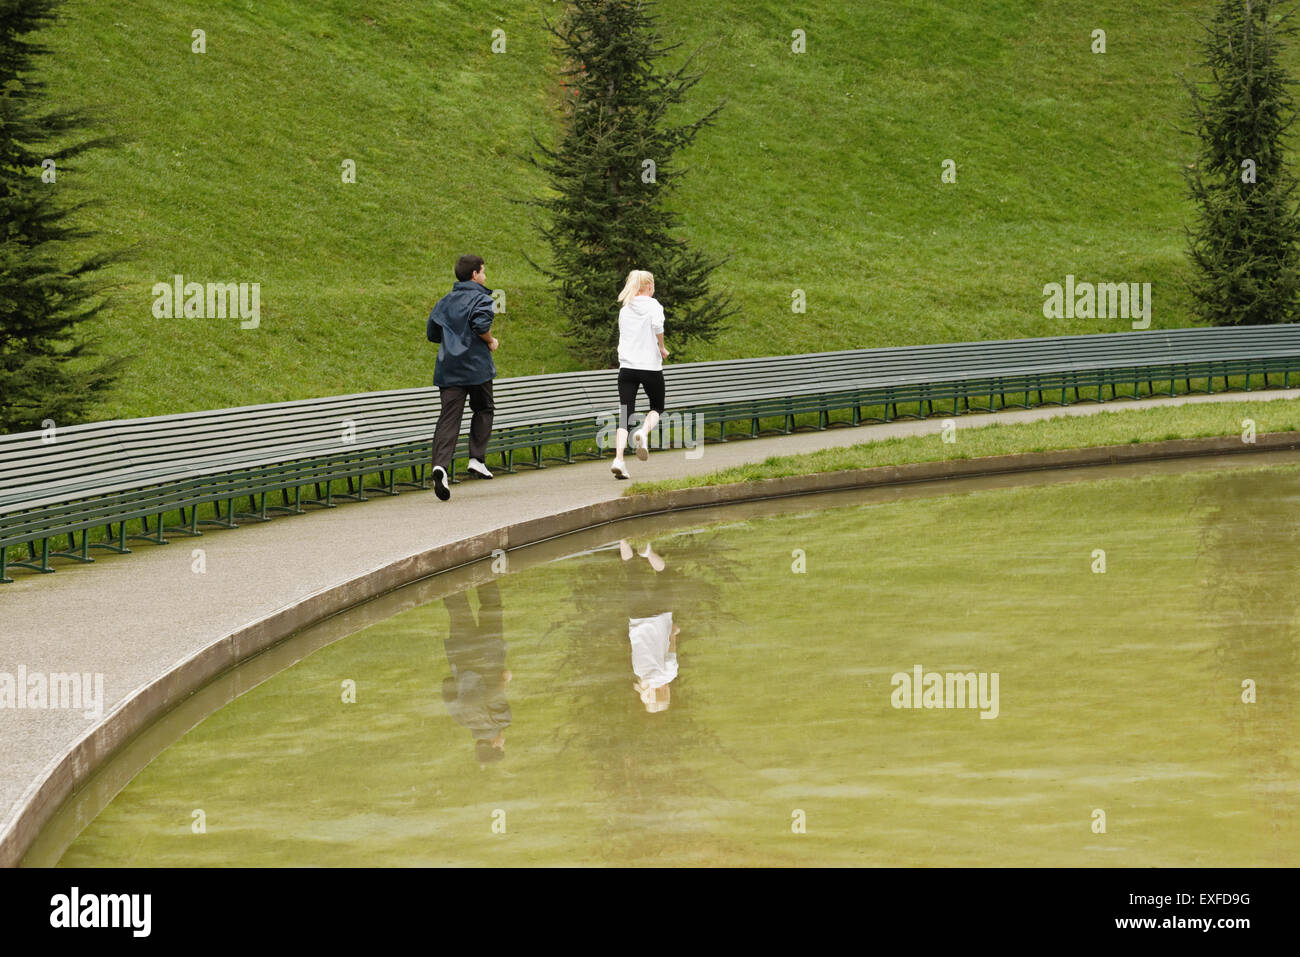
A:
1112,427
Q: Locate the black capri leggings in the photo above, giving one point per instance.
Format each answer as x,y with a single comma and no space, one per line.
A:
628,380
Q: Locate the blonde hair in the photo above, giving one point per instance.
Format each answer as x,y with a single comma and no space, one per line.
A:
637,280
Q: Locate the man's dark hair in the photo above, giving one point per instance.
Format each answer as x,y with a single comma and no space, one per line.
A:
466,266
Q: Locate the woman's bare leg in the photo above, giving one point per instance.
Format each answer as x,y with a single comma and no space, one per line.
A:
620,443
642,437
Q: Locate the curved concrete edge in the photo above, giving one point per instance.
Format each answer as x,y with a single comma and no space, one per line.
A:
64,775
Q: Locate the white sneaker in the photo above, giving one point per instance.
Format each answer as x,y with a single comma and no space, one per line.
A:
638,439
476,467
619,469
441,487
653,557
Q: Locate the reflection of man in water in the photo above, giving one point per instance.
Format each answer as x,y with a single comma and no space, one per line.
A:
476,691
650,626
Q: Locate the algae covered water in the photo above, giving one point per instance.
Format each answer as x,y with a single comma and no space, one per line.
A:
1101,673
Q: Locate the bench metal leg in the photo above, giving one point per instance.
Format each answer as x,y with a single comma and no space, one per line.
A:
156,536
41,565
45,555
381,488
385,487
189,527
355,492
291,509
418,480
222,521
256,513
81,554
120,545
324,501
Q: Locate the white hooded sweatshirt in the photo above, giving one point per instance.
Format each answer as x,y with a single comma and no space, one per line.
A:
639,321
651,638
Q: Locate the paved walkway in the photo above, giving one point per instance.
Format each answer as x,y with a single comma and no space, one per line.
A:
133,617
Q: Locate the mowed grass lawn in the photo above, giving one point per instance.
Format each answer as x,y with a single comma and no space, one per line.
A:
823,173
1112,427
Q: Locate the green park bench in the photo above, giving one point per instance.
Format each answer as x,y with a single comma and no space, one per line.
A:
247,464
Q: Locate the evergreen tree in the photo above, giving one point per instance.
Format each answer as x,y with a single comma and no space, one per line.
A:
46,369
611,175
1245,244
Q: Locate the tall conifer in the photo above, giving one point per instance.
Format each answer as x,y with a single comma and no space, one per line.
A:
611,176
47,370
1245,243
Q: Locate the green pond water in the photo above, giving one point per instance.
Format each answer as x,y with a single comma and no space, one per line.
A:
778,741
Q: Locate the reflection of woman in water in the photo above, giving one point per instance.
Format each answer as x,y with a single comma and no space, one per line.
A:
650,626
476,691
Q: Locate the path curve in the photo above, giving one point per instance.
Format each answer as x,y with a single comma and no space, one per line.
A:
157,630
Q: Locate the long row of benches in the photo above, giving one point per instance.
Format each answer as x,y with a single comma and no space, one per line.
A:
57,488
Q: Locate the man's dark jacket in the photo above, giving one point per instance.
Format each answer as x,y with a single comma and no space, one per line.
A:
456,323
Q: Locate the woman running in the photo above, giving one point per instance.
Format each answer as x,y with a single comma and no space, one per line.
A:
641,356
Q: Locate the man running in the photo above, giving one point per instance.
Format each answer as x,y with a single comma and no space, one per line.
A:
475,694
461,324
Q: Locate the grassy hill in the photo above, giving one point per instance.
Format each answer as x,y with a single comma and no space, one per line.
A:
823,174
